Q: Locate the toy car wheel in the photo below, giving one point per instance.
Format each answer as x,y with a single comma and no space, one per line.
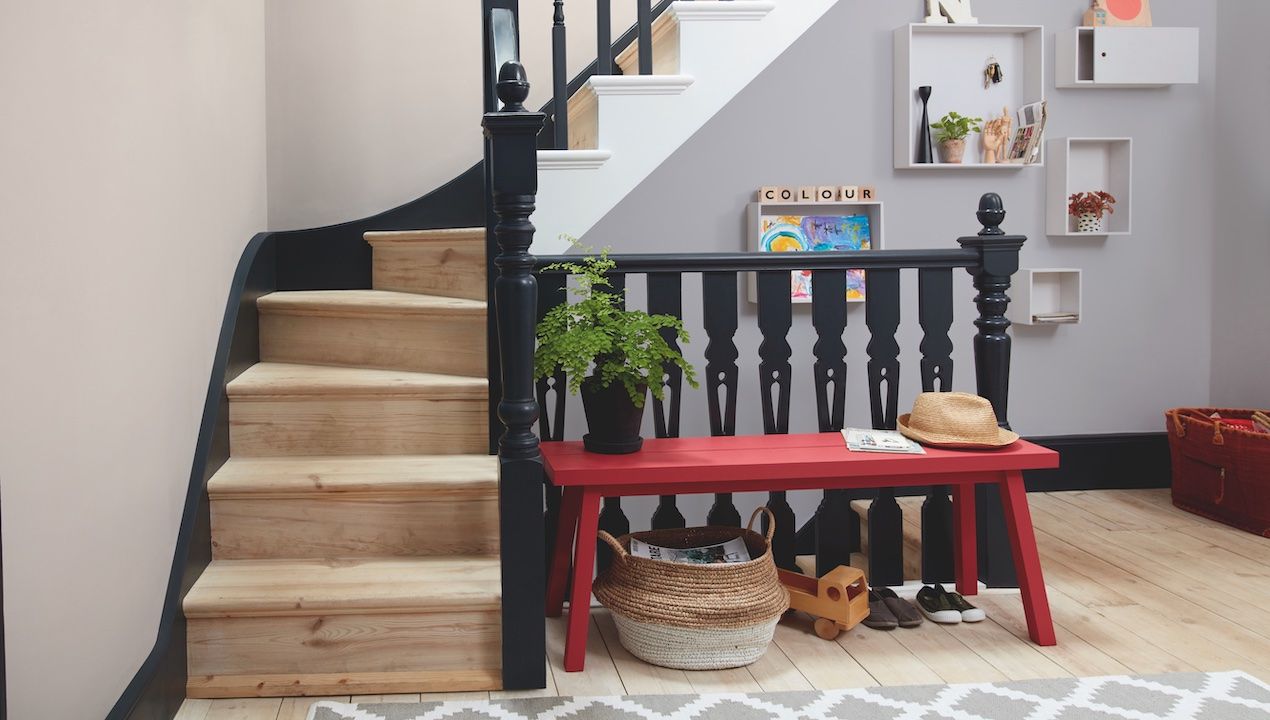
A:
826,628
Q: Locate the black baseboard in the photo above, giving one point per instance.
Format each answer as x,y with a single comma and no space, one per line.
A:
1123,461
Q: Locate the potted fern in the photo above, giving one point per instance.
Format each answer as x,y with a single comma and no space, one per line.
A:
611,355
953,129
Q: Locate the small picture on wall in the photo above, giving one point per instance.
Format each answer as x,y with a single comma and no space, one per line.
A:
817,233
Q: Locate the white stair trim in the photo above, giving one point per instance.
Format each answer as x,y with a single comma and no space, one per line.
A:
572,159
643,120
725,10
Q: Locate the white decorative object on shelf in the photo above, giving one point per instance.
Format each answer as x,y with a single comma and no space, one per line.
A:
950,59
956,11
1047,296
755,212
1088,165
1126,57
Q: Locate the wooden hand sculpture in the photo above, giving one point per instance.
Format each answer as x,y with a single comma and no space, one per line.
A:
996,133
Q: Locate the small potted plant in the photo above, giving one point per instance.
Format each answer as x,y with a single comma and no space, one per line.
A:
1088,208
611,355
953,129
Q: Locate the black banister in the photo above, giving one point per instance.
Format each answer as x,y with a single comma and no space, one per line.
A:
754,262
603,37
559,79
644,14
511,133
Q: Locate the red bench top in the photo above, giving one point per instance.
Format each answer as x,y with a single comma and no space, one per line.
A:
775,462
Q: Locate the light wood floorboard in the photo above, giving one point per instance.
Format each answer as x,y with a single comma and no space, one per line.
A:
1136,586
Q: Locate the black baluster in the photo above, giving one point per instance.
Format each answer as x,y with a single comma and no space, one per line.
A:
719,305
614,522
935,314
559,79
775,316
886,522
552,393
603,38
837,526
645,22
513,176
665,297
998,260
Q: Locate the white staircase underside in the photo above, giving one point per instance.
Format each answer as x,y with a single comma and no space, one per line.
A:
642,121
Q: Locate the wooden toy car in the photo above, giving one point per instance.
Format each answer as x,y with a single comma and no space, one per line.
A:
838,601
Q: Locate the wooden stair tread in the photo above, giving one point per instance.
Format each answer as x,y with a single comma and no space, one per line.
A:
268,379
255,588
368,303
438,235
436,476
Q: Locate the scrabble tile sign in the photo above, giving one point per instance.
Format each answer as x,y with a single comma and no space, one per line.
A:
776,195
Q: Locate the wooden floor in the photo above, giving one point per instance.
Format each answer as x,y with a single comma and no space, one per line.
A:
1136,586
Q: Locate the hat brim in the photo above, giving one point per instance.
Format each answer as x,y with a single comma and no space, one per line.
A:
1004,437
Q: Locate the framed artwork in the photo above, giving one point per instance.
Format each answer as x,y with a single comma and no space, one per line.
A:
817,233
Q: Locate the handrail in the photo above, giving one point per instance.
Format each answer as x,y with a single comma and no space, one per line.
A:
757,262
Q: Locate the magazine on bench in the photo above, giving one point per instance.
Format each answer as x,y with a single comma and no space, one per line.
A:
880,441
732,551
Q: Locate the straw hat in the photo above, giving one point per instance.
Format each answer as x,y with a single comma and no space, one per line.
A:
953,419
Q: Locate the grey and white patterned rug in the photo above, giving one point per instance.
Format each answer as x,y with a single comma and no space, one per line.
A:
1177,696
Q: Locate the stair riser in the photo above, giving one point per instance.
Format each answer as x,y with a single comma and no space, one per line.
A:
335,526
228,657
412,343
454,269
341,425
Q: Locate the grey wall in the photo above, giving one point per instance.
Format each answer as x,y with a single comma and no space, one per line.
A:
1241,247
821,114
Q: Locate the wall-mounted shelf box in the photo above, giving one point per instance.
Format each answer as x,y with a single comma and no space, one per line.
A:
1048,296
951,58
1085,165
756,211
1126,57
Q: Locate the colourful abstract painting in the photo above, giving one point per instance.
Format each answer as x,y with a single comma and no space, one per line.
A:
817,233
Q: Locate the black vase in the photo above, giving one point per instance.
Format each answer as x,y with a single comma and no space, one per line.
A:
611,417
925,152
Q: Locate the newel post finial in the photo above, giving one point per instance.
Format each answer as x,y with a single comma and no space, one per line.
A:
513,86
998,261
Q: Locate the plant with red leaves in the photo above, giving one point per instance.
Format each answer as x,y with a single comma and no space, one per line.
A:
1093,203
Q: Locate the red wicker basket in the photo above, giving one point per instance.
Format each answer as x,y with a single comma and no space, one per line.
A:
1221,469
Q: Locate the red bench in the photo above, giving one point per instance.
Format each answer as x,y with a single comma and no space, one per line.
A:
682,466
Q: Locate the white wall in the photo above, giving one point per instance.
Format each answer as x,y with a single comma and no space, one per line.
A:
1241,237
373,104
133,175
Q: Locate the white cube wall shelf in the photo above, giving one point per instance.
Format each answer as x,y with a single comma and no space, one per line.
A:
756,211
1126,57
1045,291
951,59
1084,165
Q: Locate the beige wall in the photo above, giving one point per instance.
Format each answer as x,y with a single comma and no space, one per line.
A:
133,173
374,104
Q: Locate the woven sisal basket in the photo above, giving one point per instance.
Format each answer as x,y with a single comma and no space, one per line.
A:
694,617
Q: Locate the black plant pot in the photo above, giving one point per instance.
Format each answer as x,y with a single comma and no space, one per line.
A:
611,417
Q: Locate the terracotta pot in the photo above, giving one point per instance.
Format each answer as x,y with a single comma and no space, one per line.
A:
612,419
952,150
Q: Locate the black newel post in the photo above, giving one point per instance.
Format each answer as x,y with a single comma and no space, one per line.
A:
998,261
513,175
559,79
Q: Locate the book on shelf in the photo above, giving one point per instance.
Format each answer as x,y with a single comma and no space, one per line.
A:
1056,318
880,441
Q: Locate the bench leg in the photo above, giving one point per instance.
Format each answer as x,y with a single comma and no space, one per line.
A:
1027,562
966,557
583,568
566,527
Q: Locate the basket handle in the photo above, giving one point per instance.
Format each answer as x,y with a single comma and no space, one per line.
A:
618,550
771,522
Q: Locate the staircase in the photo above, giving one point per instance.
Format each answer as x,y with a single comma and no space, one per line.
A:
622,127
355,525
